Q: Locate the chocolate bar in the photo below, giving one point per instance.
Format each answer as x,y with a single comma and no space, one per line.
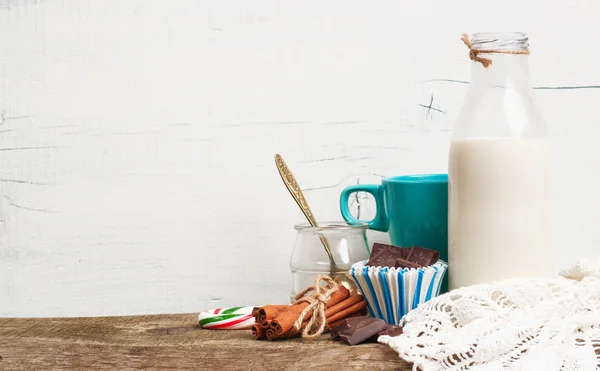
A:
345,325
355,330
386,255
392,330
403,263
423,257
400,257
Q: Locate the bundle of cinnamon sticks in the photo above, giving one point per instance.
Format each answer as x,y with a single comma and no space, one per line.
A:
277,321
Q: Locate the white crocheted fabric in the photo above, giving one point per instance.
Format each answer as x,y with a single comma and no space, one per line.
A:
522,324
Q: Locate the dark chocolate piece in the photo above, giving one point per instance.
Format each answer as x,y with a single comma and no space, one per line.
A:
393,330
422,256
386,255
355,330
403,263
345,325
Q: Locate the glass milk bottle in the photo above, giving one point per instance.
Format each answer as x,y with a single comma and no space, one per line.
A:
499,170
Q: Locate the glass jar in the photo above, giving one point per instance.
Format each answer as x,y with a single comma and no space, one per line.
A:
499,171
348,244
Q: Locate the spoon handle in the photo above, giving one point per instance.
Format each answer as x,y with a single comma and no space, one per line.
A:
292,185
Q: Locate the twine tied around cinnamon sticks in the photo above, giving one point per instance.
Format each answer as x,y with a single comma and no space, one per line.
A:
316,303
474,53
315,310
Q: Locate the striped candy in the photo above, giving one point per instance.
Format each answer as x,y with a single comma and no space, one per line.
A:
233,318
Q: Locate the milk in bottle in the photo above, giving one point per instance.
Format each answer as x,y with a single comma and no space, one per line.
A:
499,171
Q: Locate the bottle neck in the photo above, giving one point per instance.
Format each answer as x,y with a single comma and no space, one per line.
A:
500,102
510,71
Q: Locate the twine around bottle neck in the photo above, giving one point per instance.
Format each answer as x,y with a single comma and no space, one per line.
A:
474,53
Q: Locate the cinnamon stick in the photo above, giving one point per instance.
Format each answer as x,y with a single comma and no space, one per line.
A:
351,300
269,312
265,324
346,312
258,331
270,334
341,294
331,322
285,319
255,313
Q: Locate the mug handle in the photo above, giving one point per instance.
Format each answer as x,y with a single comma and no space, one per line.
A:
381,221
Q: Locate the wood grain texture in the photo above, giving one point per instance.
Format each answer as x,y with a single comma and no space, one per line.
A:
159,342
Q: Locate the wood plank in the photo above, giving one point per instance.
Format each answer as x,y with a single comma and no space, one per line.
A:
172,341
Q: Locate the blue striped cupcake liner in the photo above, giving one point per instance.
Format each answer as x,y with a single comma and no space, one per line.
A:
393,292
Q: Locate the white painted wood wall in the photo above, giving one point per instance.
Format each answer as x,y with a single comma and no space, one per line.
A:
137,137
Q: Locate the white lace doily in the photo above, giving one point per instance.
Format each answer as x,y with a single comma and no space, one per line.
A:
521,324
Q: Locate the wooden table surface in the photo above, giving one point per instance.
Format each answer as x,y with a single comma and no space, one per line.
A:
172,341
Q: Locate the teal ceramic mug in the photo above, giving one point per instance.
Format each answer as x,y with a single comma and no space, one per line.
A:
412,208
